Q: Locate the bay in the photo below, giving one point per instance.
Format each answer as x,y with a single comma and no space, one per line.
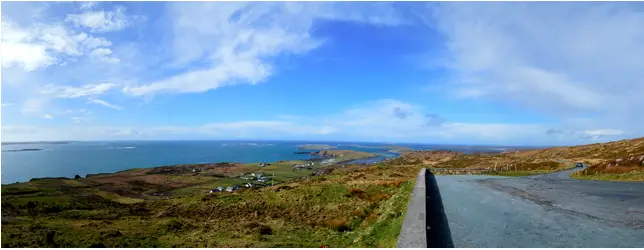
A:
82,158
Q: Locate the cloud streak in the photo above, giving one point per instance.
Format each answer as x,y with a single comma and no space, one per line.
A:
75,92
239,40
42,45
103,103
562,59
100,21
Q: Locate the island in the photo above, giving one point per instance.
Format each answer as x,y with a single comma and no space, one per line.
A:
23,150
340,156
36,142
299,203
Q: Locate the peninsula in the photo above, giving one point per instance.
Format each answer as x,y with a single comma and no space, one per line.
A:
278,204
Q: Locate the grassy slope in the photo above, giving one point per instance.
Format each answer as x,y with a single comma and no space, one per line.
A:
629,153
620,161
354,207
629,176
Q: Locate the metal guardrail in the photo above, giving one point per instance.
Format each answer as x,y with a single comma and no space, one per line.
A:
425,223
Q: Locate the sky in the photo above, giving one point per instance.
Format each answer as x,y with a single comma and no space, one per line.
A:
504,73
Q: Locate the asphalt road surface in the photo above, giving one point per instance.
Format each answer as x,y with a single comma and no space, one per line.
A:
542,211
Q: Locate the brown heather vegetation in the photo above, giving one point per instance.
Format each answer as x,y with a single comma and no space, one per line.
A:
356,206
619,160
348,206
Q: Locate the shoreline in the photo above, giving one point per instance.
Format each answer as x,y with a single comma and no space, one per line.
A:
316,157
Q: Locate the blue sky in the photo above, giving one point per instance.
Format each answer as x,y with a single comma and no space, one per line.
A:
457,73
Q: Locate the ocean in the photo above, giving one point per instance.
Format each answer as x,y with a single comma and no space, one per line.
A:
67,160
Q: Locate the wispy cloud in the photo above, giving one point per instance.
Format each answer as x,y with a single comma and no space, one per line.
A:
75,92
87,5
575,68
75,111
372,121
79,119
41,45
47,116
34,105
100,21
239,39
562,59
103,103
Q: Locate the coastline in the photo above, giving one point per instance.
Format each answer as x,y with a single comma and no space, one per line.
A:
318,157
109,157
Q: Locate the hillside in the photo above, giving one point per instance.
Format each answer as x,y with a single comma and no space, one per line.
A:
630,168
619,160
356,206
332,204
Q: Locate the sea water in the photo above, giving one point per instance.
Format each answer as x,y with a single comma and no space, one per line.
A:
67,160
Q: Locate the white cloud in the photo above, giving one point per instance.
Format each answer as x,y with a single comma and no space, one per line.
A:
87,5
75,92
47,116
79,119
33,133
75,111
563,59
204,80
371,121
17,51
104,54
599,133
42,45
34,105
604,132
238,40
7,104
103,103
101,21
585,134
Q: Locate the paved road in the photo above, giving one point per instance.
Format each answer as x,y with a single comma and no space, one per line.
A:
542,211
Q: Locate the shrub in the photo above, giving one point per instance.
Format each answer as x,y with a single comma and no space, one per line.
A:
356,192
255,227
174,225
338,224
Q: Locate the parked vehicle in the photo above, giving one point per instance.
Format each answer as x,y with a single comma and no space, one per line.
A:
580,165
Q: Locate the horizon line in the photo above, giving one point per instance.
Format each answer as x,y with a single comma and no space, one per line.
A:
276,140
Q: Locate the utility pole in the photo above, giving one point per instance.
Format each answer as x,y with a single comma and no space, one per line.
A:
273,180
